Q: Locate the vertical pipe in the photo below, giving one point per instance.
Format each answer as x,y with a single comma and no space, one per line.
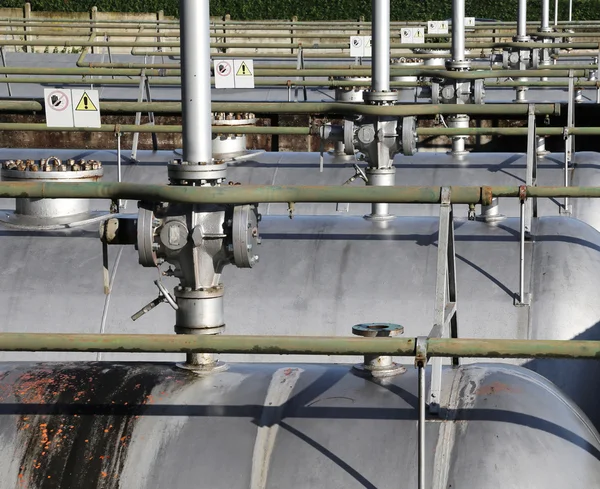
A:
421,434
555,12
381,45
195,80
545,26
522,255
570,10
458,30
522,19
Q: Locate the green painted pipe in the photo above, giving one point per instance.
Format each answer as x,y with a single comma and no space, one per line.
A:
339,108
280,193
297,345
507,131
246,193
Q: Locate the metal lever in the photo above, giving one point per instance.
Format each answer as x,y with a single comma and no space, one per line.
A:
163,296
358,173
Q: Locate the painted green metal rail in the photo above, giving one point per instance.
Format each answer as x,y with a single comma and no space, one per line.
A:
281,193
297,345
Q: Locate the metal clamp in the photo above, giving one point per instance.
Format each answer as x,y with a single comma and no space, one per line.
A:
421,351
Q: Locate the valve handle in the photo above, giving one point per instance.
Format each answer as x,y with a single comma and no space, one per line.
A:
163,296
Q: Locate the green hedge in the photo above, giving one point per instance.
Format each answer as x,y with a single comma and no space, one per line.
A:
322,9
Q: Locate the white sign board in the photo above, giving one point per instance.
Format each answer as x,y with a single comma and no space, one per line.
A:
368,42
224,76
244,73
437,27
412,35
469,21
361,46
58,106
356,47
234,73
86,108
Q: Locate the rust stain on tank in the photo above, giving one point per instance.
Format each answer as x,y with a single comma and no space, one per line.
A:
496,388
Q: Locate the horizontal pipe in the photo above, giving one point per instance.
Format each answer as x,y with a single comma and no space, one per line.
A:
338,108
297,345
506,131
244,194
280,193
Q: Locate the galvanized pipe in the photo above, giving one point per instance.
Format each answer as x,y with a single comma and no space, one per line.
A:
545,21
298,345
421,426
522,20
195,81
458,30
381,45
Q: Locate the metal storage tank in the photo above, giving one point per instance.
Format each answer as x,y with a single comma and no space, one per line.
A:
278,426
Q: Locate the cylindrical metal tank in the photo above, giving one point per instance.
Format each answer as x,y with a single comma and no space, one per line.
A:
102,425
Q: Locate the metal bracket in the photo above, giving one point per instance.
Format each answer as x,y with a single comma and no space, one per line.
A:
144,89
445,315
524,298
569,138
531,172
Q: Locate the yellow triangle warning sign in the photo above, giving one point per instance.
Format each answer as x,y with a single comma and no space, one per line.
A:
86,104
243,70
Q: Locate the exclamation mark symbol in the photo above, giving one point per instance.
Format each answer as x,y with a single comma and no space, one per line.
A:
243,68
85,102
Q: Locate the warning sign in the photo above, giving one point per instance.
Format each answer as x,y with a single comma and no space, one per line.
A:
243,70
237,73
244,73
57,104
86,108
85,103
360,46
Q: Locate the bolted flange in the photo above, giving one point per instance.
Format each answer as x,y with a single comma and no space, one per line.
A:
373,365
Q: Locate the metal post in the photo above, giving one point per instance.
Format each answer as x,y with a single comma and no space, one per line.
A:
523,299
555,12
195,80
568,136
545,25
3,59
381,45
522,20
421,456
121,203
458,30
570,10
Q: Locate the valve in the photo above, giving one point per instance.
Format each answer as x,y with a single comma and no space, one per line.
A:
163,296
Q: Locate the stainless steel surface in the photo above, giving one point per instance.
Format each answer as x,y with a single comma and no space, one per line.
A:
522,21
195,81
545,20
381,45
285,426
458,30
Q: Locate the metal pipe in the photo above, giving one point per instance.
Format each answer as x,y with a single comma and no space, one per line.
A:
458,30
381,45
195,81
522,253
522,20
281,194
421,426
298,345
545,21
555,12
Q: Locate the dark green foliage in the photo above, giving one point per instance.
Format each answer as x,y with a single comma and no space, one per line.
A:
323,9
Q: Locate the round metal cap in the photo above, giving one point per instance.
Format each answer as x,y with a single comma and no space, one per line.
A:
377,330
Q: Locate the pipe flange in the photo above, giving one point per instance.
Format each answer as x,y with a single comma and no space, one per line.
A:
146,245
372,330
378,366
409,135
180,172
231,119
521,38
371,97
205,369
200,310
479,91
349,138
458,65
245,237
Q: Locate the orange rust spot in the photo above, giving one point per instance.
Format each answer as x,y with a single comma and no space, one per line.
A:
495,388
105,431
87,441
104,474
